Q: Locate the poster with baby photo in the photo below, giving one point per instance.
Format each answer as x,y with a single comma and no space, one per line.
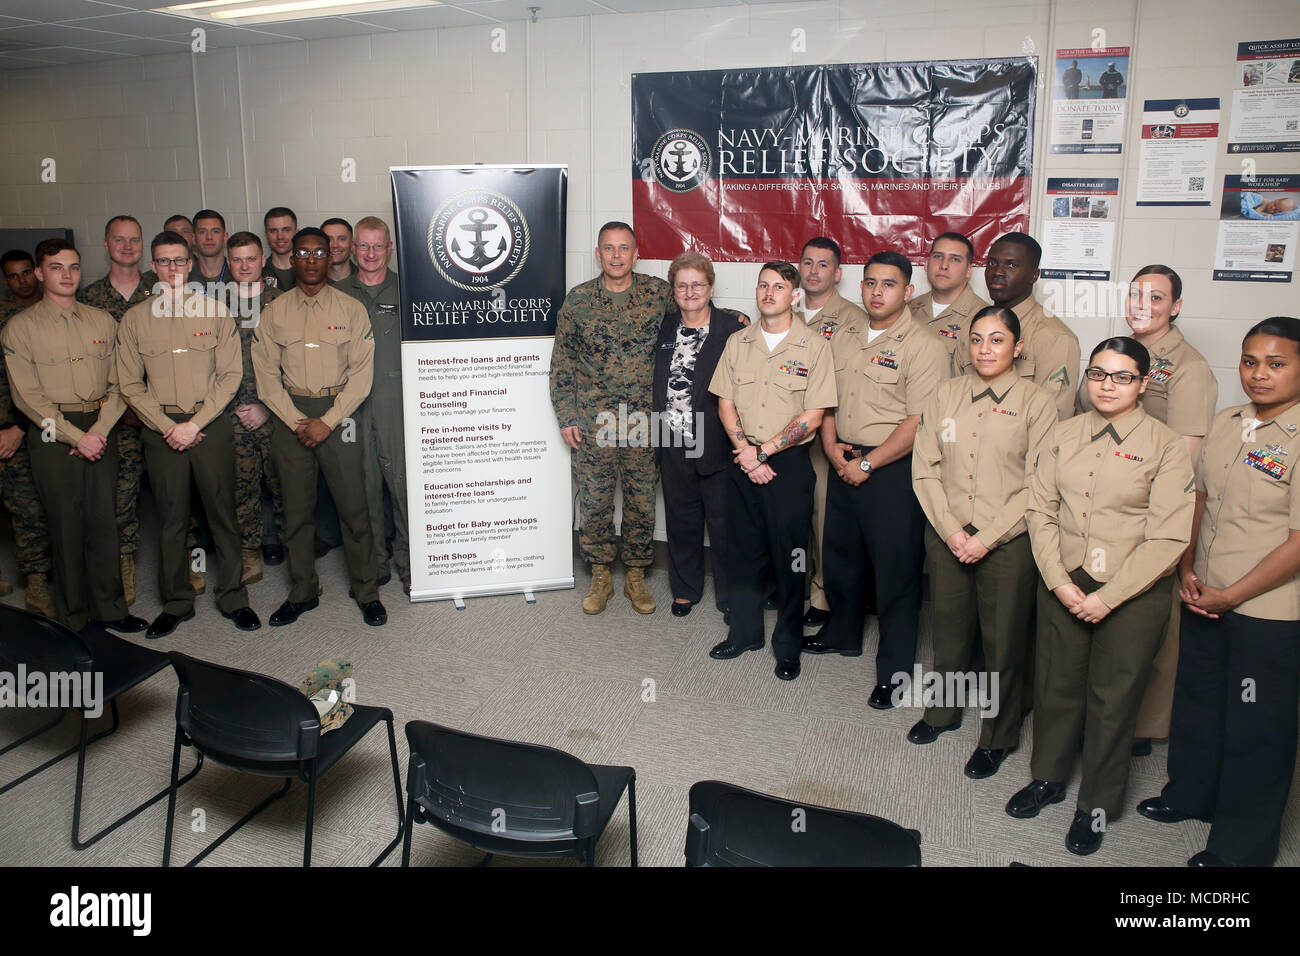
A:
1259,219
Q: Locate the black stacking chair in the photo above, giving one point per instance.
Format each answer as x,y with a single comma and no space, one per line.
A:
732,826
263,726
511,798
40,645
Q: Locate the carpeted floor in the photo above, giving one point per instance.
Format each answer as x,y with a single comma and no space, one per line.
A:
548,673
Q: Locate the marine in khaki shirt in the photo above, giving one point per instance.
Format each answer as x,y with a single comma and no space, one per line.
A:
952,323
974,448
1114,498
1050,358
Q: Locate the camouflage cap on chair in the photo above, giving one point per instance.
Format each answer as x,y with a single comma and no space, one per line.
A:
325,677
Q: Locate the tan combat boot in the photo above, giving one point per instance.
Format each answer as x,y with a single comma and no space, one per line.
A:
635,589
197,582
128,578
602,589
38,595
252,566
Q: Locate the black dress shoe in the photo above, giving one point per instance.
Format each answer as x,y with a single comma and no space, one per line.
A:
816,617
923,733
127,625
787,670
245,618
1206,858
165,623
984,762
288,612
681,610
373,613
1155,808
1082,838
1028,801
1142,747
882,698
727,650
814,645
273,553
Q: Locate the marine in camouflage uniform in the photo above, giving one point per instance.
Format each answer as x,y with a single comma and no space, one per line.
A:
603,364
18,492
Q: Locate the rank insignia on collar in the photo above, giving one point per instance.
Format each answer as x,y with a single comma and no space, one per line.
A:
1290,428
1265,460
1161,370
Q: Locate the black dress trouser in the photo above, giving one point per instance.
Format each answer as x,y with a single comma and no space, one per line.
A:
692,501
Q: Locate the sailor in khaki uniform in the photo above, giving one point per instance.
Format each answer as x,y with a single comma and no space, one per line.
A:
1181,392
1110,512
59,354
774,382
1050,358
825,311
949,306
978,440
313,354
178,365
886,369
1232,743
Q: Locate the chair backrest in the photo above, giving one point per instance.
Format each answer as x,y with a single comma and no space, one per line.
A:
39,644
501,788
241,717
732,826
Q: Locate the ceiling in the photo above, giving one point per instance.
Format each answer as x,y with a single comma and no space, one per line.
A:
37,33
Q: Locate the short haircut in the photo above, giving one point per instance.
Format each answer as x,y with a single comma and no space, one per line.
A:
373,222
1155,269
336,221
167,238
691,260
614,224
180,215
279,212
1004,315
16,255
1026,242
784,269
244,238
308,232
209,214
821,242
52,247
109,225
957,237
1126,345
1283,326
888,257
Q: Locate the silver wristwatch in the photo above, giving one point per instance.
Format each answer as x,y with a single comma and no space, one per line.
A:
865,465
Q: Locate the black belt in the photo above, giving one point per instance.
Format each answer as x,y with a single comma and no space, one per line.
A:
859,451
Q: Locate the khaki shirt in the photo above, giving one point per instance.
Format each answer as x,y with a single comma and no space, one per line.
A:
1113,498
171,353
974,449
953,323
313,342
1252,503
881,383
772,389
834,315
59,356
1181,389
1050,358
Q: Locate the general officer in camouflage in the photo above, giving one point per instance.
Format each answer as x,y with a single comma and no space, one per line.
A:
602,372
17,486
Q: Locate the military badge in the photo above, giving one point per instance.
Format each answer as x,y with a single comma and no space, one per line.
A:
950,331
1127,456
794,367
1268,460
885,358
1161,370
828,329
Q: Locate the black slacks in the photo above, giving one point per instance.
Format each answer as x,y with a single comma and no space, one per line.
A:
692,501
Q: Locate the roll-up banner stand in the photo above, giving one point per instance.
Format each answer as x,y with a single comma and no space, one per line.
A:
481,257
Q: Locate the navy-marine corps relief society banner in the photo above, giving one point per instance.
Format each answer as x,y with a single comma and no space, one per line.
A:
741,164
481,258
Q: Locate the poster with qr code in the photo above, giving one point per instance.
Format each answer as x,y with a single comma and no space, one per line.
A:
1259,221
1266,104
1180,142
1078,233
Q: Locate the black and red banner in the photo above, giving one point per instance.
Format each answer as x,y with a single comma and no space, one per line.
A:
746,165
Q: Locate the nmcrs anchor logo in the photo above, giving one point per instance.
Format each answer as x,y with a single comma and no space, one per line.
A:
478,239
681,160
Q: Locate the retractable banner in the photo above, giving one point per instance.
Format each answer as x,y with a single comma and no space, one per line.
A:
481,256
745,165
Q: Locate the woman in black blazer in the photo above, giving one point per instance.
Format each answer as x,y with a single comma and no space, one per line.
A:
693,450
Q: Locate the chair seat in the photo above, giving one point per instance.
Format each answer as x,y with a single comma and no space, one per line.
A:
123,664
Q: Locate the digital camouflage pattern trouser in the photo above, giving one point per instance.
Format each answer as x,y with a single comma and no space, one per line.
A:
252,467
130,466
597,471
31,533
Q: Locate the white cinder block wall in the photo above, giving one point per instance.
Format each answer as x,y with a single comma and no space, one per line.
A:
241,130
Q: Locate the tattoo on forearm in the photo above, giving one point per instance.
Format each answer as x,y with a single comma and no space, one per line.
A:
738,432
793,434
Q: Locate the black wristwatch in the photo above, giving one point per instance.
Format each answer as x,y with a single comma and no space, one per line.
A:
762,456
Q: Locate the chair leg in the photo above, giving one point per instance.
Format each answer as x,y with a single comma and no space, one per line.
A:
171,799
406,833
55,759
397,790
311,814
631,816
248,816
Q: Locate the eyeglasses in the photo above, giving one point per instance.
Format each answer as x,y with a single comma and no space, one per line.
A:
310,254
691,286
1095,374
180,262
376,246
